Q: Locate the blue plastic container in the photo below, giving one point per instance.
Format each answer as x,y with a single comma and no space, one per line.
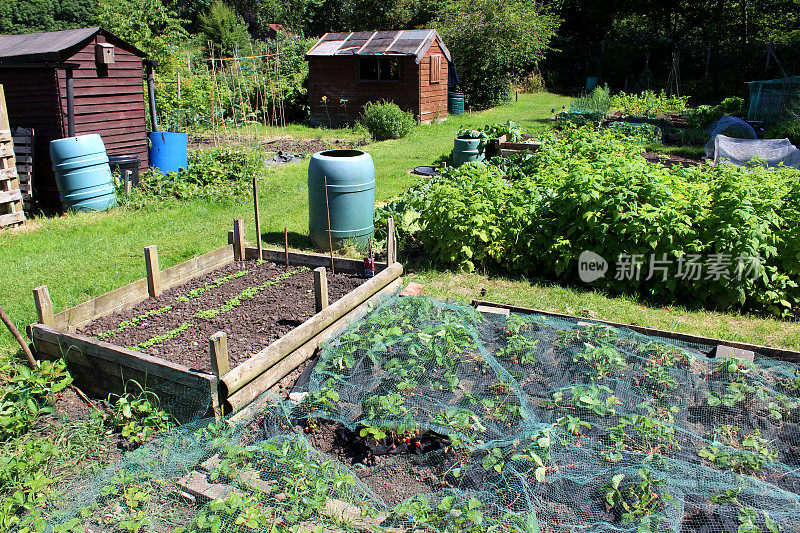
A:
455,103
350,176
466,150
168,150
82,173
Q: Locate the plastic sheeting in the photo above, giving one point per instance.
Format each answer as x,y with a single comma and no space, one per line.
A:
772,152
730,126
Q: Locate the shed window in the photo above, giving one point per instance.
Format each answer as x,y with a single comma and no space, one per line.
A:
379,68
436,69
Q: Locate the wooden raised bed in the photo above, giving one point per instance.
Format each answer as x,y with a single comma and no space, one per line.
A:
506,148
102,368
722,347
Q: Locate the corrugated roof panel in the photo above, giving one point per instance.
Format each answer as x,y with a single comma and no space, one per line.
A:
380,43
354,44
413,43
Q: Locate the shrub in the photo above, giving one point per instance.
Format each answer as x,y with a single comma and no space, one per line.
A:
385,120
789,127
214,175
704,115
535,215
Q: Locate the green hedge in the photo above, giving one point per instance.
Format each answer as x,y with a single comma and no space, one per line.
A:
589,191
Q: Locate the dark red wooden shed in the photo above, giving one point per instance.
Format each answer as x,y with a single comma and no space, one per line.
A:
347,70
74,82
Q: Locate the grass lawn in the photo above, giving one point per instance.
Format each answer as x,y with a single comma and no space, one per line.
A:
80,256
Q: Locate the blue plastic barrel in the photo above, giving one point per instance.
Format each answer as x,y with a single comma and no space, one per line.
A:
82,173
168,150
466,150
455,103
350,175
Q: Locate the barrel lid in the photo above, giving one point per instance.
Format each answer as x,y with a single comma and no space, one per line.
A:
124,158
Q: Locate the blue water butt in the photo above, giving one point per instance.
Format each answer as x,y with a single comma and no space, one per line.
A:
350,176
82,173
168,150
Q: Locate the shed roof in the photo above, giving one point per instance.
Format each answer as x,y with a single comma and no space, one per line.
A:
51,46
412,43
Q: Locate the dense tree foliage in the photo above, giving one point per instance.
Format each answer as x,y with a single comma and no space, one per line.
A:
26,16
719,43
493,41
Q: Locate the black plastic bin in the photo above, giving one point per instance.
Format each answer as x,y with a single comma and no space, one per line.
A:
120,163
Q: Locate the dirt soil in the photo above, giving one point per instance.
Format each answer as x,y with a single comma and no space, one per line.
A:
394,475
672,160
287,144
257,321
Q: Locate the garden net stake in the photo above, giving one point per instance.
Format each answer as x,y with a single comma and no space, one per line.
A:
15,333
257,217
328,212
286,245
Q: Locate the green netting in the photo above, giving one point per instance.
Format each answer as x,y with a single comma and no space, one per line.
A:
446,419
769,98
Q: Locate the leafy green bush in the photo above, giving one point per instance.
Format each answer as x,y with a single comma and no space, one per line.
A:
216,175
385,120
648,103
640,133
599,101
789,127
704,115
588,191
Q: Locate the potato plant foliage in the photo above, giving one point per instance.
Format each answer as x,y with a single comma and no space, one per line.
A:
587,190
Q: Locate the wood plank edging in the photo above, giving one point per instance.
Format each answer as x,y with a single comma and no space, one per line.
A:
311,259
775,353
89,348
136,292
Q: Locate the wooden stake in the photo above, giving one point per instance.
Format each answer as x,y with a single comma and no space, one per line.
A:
391,243
128,181
328,211
238,239
153,271
286,244
44,306
320,289
27,351
218,349
257,217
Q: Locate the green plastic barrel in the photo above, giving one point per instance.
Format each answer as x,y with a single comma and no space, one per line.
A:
466,150
455,103
82,173
350,177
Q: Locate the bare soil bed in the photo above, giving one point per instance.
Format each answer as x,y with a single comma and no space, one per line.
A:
253,303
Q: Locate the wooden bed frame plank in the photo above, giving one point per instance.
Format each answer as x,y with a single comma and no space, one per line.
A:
775,353
136,292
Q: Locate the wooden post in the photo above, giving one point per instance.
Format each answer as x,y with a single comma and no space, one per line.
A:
238,239
391,243
44,306
218,349
128,177
153,271
320,289
257,217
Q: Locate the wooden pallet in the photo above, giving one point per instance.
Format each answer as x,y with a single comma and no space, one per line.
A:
23,153
11,210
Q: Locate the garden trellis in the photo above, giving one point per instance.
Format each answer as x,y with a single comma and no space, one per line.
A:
247,92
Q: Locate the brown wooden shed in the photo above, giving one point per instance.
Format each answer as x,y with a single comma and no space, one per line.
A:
347,70
74,82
